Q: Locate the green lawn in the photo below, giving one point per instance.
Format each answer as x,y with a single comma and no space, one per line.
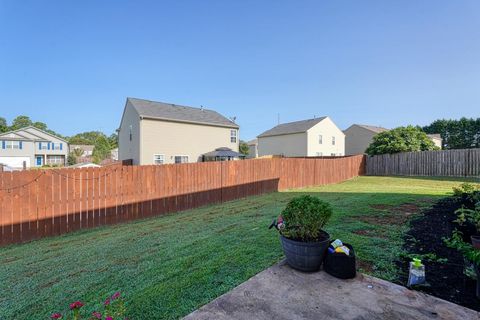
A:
169,266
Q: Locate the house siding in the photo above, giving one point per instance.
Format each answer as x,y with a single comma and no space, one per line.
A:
129,149
172,139
288,145
357,140
327,129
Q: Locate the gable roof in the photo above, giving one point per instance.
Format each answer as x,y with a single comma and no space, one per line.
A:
375,129
291,127
27,134
173,112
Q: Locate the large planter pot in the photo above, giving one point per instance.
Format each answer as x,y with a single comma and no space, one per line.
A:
305,256
475,241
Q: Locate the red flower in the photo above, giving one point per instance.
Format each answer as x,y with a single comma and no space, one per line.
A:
107,302
76,305
56,316
108,318
97,315
116,295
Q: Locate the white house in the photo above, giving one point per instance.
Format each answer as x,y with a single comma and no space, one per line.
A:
306,138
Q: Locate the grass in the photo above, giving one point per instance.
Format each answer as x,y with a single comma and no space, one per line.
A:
169,266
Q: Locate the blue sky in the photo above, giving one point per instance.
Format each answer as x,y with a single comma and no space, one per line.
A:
71,64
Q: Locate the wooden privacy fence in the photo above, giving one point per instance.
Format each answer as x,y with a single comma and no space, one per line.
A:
454,163
40,203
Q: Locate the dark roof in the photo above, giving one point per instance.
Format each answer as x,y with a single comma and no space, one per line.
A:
168,111
291,127
372,128
223,152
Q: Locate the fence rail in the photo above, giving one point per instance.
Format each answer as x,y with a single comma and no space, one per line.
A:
453,163
40,203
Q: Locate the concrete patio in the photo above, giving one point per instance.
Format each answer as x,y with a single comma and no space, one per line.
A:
283,293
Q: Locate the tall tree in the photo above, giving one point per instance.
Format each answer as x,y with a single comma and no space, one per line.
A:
89,137
402,139
21,122
3,125
101,150
457,134
40,125
113,140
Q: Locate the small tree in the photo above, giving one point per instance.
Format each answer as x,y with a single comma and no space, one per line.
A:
101,150
71,159
244,148
402,139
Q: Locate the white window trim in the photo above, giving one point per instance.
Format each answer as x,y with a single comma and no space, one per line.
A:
333,140
181,155
159,154
12,144
233,134
320,139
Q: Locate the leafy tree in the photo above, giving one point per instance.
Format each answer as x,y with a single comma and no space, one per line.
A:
457,134
402,139
89,137
40,125
243,148
101,150
21,122
71,159
3,125
113,140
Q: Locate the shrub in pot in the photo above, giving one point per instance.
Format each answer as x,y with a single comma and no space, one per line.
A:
303,240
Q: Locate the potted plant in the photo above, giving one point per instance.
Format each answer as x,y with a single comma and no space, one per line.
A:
303,240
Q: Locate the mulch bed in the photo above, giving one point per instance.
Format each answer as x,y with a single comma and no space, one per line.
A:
445,280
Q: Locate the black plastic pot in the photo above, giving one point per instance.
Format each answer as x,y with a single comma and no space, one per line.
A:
340,265
475,241
305,256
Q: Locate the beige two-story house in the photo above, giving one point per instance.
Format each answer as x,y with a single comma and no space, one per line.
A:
307,138
160,133
32,147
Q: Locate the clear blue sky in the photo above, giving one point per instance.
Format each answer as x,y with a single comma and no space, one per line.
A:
71,64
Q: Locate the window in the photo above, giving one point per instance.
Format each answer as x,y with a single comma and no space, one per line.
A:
12,144
181,159
333,141
320,139
130,132
56,160
42,146
333,154
233,136
158,159
319,154
56,146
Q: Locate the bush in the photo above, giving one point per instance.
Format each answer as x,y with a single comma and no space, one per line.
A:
304,217
401,139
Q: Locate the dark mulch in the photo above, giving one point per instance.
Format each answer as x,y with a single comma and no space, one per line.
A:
444,280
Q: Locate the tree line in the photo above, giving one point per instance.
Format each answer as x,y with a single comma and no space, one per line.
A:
102,143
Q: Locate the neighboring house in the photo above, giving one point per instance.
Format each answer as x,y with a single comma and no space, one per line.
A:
358,137
157,133
436,139
32,147
252,149
306,138
85,151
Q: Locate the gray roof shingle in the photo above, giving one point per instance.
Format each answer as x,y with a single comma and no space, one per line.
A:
373,128
168,111
291,127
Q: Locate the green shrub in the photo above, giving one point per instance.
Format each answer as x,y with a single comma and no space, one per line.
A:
304,217
465,189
